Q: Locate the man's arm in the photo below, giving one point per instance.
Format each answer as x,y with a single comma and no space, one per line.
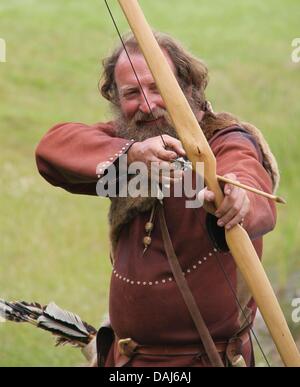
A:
236,154
69,155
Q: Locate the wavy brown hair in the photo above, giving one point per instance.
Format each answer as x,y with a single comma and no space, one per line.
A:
190,71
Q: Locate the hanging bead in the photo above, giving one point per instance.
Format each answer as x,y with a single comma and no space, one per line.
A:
149,226
147,241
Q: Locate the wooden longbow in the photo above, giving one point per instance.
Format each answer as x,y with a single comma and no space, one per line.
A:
198,150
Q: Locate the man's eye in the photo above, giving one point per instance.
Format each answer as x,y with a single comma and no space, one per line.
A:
130,93
154,89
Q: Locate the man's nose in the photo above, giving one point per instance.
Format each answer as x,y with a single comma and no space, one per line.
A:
147,103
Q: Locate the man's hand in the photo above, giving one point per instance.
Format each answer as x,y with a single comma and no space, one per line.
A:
152,151
233,208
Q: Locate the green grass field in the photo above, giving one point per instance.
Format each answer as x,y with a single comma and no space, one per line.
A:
54,245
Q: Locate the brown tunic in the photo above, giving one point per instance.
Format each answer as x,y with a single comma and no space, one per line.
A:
145,303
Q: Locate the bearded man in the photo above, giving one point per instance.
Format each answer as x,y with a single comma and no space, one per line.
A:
151,322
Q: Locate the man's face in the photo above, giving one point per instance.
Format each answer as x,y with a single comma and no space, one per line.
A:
132,101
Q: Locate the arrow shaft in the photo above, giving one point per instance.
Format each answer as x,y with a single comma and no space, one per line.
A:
277,199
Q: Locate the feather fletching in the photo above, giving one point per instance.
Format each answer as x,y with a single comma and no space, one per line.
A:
67,326
4,311
67,318
51,325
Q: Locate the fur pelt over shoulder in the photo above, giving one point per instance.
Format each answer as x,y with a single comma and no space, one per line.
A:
123,210
214,122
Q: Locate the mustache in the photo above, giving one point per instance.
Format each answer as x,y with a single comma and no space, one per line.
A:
140,118
136,128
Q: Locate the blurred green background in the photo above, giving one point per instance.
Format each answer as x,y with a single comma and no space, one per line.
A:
54,245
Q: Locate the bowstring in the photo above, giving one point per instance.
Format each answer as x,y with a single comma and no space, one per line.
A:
221,266
133,68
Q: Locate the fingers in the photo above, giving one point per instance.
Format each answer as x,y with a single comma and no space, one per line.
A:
153,149
158,159
165,173
235,220
207,198
201,195
229,187
233,209
206,195
234,206
229,208
166,155
174,144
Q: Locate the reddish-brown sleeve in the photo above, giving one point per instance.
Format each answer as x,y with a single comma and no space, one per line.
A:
235,153
72,155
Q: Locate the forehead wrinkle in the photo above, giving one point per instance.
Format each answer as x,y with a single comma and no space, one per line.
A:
124,72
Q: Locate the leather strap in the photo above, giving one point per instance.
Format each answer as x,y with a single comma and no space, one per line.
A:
232,350
130,348
187,295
